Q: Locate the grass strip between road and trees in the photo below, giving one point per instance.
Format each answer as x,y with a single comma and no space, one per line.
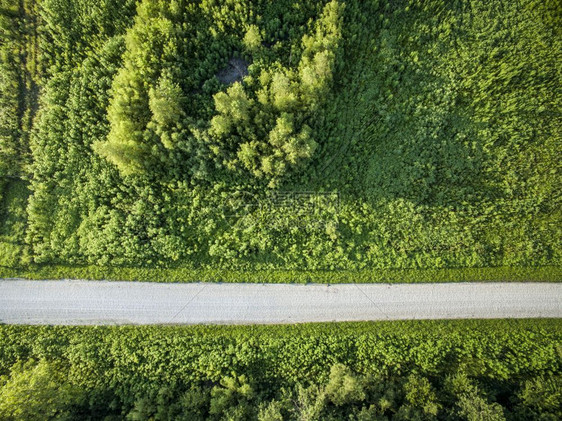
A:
500,274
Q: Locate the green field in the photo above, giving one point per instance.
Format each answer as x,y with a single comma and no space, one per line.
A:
281,141
438,370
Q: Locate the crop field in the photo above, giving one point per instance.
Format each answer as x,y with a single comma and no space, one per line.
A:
281,141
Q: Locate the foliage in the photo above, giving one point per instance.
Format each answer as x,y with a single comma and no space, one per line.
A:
13,251
10,81
435,124
362,371
36,391
502,274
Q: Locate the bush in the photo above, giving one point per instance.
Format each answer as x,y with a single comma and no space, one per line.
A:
400,370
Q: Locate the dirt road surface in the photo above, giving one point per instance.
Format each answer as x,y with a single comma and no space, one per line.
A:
110,302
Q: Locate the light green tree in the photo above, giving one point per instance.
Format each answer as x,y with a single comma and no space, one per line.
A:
344,387
234,103
36,391
165,102
252,39
284,93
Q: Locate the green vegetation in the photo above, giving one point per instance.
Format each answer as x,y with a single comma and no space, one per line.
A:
18,84
471,370
163,137
503,274
12,230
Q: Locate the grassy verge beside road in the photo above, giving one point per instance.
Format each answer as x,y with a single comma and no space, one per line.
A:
506,274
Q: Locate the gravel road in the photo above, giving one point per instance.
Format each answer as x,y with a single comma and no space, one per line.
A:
109,302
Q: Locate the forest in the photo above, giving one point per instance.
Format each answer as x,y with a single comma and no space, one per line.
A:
417,370
194,138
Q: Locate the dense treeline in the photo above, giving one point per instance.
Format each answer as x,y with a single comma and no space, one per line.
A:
18,96
471,370
10,44
19,72
169,133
